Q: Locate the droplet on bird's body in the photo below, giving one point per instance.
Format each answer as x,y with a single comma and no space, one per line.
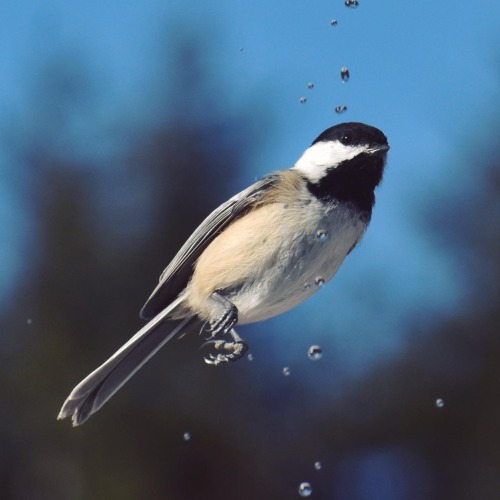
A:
302,100
320,281
305,489
344,74
321,235
315,352
340,109
317,465
351,3
286,371
333,22
439,403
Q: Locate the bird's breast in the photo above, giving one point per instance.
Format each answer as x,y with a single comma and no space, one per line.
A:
275,257
308,248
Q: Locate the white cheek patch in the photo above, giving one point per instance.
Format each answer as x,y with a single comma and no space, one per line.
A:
324,155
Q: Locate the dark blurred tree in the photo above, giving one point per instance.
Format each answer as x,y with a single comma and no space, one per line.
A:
101,237
102,234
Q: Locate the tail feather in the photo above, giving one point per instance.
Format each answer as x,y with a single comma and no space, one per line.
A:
92,392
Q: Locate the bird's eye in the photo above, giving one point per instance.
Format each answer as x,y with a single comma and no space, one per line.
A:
346,139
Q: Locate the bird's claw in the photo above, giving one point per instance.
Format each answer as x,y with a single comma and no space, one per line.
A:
225,322
235,350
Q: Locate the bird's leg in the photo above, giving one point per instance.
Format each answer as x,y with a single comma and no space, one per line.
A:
221,325
226,318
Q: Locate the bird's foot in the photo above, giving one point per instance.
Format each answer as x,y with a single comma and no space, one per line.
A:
234,351
221,325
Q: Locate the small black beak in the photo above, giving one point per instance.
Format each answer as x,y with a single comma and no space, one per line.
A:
379,148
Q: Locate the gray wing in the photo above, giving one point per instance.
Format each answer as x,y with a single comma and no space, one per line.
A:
177,274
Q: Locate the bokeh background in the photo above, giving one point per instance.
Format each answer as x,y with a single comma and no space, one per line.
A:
123,123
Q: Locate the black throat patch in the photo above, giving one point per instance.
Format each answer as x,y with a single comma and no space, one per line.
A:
353,181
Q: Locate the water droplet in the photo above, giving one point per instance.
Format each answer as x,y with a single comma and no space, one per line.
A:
310,85
317,465
286,371
439,403
333,22
321,235
307,286
315,352
250,357
351,3
344,74
29,321
241,49
302,100
305,489
186,436
341,109
319,281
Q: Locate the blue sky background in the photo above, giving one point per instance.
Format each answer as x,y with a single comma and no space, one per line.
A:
424,72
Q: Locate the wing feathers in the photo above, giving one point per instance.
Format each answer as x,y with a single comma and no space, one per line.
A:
176,276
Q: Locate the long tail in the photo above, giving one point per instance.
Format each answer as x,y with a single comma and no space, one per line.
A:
92,392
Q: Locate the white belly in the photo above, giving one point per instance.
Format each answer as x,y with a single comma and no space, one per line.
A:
302,260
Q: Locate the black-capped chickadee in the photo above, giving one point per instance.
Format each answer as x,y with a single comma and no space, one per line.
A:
258,255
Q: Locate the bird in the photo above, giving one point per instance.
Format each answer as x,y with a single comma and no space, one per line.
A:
259,254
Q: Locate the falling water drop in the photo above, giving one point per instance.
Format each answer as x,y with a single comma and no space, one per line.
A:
186,436
333,22
310,85
307,286
320,281
439,403
340,109
344,74
305,489
302,100
29,321
315,352
286,371
250,356
321,235
351,3
317,465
